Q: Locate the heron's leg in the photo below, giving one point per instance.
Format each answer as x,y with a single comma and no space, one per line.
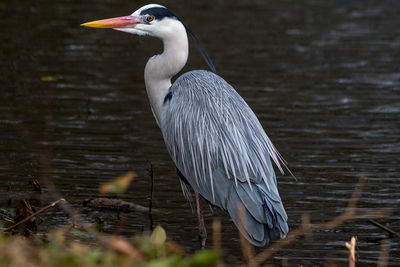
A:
202,227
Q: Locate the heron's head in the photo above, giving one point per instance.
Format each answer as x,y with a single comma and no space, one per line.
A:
154,20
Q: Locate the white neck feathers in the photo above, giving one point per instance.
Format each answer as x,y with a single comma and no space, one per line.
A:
161,68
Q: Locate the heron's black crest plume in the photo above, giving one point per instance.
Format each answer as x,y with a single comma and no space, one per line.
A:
201,49
159,13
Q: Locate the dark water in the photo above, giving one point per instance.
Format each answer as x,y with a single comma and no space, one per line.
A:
322,76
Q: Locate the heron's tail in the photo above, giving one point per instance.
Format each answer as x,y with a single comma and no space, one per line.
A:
265,217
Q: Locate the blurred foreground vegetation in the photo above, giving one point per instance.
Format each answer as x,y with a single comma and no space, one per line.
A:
62,248
79,243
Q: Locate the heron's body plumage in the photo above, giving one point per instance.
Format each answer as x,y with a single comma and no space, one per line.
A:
215,140
219,146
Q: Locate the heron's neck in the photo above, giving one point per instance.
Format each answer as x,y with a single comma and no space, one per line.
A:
161,68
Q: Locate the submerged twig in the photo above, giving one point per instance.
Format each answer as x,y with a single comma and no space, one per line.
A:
6,217
115,204
387,229
33,215
24,210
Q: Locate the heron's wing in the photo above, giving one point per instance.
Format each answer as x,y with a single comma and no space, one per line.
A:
206,125
219,146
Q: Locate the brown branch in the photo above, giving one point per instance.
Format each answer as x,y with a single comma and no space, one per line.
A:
33,215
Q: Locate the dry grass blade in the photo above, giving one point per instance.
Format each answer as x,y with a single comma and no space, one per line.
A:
352,251
384,253
119,185
247,248
124,247
216,226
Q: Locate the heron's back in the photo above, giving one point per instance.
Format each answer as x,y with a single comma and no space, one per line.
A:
220,147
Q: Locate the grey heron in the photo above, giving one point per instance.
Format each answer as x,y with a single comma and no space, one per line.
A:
214,138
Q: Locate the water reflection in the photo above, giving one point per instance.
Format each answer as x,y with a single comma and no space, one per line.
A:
323,77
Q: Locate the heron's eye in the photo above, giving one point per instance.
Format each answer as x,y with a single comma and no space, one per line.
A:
150,18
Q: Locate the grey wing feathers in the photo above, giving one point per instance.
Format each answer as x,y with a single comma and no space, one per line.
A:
218,144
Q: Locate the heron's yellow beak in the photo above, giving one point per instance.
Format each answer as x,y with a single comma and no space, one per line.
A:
115,23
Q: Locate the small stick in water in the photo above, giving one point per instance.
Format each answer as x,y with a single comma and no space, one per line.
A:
387,229
33,215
